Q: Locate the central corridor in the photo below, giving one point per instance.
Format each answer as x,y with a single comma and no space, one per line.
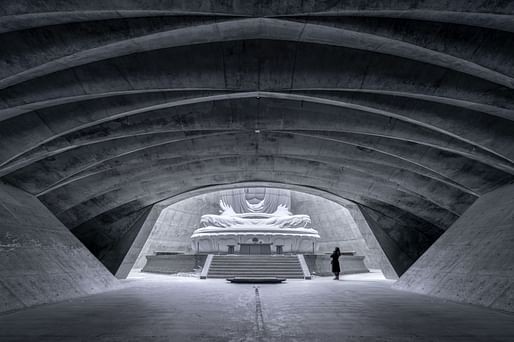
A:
169,308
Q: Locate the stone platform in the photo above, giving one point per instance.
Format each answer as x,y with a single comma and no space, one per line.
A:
319,264
173,263
256,280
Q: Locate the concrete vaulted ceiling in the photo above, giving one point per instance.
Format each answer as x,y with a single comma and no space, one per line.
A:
109,107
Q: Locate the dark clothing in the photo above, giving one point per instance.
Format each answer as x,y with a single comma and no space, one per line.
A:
335,262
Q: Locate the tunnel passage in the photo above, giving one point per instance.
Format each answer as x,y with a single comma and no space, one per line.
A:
109,109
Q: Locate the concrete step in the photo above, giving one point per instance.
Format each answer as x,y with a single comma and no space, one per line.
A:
255,256
254,270
274,264
255,266
242,264
256,273
256,280
283,275
252,264
265,275
225,267
286,264
259,259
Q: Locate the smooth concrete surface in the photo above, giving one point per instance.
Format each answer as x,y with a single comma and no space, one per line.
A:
473,261
40,260
381,259
318,264
125,254
402,107
167,308
173,263
173,229
405,108
399,252
321,264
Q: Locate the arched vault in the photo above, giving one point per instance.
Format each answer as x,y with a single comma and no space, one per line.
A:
108,108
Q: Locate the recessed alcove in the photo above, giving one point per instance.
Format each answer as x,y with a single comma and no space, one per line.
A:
338,225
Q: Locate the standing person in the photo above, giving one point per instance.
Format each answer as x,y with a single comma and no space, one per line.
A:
335,263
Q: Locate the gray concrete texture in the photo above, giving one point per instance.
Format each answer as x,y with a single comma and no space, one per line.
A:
164,308
173,229
473,261
173,264
41,261
404,108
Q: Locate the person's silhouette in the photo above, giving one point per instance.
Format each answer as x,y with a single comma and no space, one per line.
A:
336,269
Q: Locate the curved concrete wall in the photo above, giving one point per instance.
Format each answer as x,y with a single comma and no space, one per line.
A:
335,224
404,108
173,229
473,261
40,260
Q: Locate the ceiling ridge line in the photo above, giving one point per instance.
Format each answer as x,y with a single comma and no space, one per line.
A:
346,38
486,109
117,188
239,95
174,141
434,15
26,20
77,175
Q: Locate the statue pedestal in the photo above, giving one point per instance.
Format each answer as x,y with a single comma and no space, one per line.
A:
240,240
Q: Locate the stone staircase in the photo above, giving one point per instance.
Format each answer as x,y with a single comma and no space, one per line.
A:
255,266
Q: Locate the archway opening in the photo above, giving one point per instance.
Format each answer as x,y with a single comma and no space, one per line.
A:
176,244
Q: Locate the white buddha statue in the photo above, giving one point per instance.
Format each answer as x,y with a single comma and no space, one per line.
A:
280,218
253,216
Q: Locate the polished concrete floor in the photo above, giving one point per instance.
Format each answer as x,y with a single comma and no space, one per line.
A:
167,308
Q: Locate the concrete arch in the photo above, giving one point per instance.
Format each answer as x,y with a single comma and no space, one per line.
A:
109,108
473,91
106,153
488,15
261,28
121,261
102,156
51,103
331,132
381,173
155,177
293,97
